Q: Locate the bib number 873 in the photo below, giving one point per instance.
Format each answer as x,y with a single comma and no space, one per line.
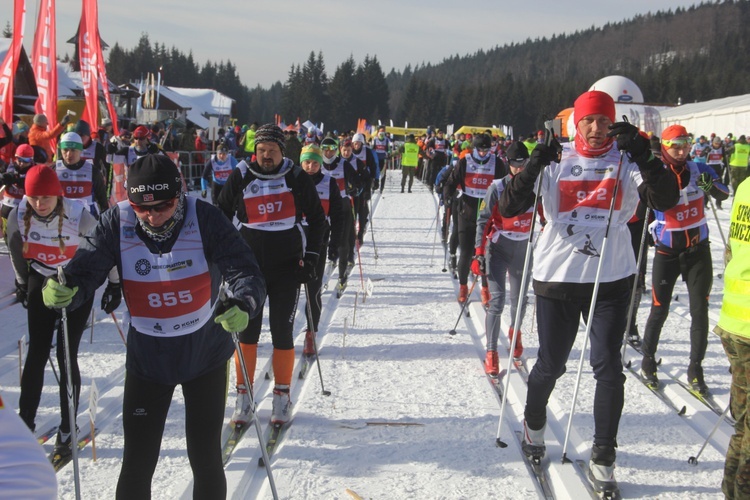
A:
169,298
686,214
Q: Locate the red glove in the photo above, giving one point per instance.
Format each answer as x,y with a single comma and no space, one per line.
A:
479,265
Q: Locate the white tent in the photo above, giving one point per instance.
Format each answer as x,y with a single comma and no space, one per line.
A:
719,116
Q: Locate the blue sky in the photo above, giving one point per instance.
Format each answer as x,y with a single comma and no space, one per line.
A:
263,38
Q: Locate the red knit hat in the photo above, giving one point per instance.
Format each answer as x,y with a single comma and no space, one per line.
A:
673,131
593,102
25,151
42,181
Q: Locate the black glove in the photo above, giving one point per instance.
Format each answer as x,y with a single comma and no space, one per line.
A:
543,155
306,271
203,193
705,182
8,178
111,298
66,119
333,253
629,139
375,184
22,294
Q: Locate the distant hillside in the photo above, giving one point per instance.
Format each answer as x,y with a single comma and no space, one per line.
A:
692,54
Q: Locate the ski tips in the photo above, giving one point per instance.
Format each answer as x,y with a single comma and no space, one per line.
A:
500,443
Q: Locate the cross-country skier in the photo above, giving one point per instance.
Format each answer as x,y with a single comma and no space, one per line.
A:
173,251
500,249
576,192
269,197
682,248
44,232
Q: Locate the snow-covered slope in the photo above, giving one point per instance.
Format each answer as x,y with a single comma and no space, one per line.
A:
411,414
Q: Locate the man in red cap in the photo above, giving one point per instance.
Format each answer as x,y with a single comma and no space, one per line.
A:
13,180
577,184
141,146
682,248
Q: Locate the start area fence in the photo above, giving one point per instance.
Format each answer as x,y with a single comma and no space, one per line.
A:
190,163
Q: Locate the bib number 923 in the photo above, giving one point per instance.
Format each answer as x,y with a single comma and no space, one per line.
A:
169,299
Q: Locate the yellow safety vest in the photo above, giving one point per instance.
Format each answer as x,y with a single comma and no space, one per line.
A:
411,155
735,308
739,155
250,141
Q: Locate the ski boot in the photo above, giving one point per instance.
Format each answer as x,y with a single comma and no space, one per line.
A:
602,469
648,371
309,349
242,409
533,443
485,294
63,444
282,405
463,293
453,265
518,349
491,364
340,287
695,378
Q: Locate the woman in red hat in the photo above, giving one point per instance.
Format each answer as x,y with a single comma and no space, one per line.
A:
43,233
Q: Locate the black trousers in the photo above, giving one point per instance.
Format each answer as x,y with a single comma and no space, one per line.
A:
42,324
144,411
346,245
314,287
696,269
467,231
558,322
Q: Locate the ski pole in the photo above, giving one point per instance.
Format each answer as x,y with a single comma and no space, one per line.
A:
716,216
694,460
434,238
592,306
463,306
119,330
447,217
315,340
517,321
372,232
70,392
236,339
631,307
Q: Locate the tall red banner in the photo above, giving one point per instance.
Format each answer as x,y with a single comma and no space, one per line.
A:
88,55
44,62
105,87
10,63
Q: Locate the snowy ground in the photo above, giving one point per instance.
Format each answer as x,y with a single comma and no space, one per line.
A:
388,359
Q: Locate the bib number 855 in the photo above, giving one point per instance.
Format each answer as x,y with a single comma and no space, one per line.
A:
169,298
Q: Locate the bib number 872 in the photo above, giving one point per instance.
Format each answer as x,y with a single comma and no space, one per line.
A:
169,298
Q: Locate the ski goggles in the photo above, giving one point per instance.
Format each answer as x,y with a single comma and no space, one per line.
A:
329,147
159,208
23,159
677,142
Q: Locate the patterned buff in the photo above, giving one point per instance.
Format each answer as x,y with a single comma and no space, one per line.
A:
270,133
163,233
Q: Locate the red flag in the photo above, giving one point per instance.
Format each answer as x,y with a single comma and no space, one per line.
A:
105,87
88,55
10,63
44,62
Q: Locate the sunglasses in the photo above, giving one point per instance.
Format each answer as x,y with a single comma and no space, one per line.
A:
677,143
159,208
329,147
